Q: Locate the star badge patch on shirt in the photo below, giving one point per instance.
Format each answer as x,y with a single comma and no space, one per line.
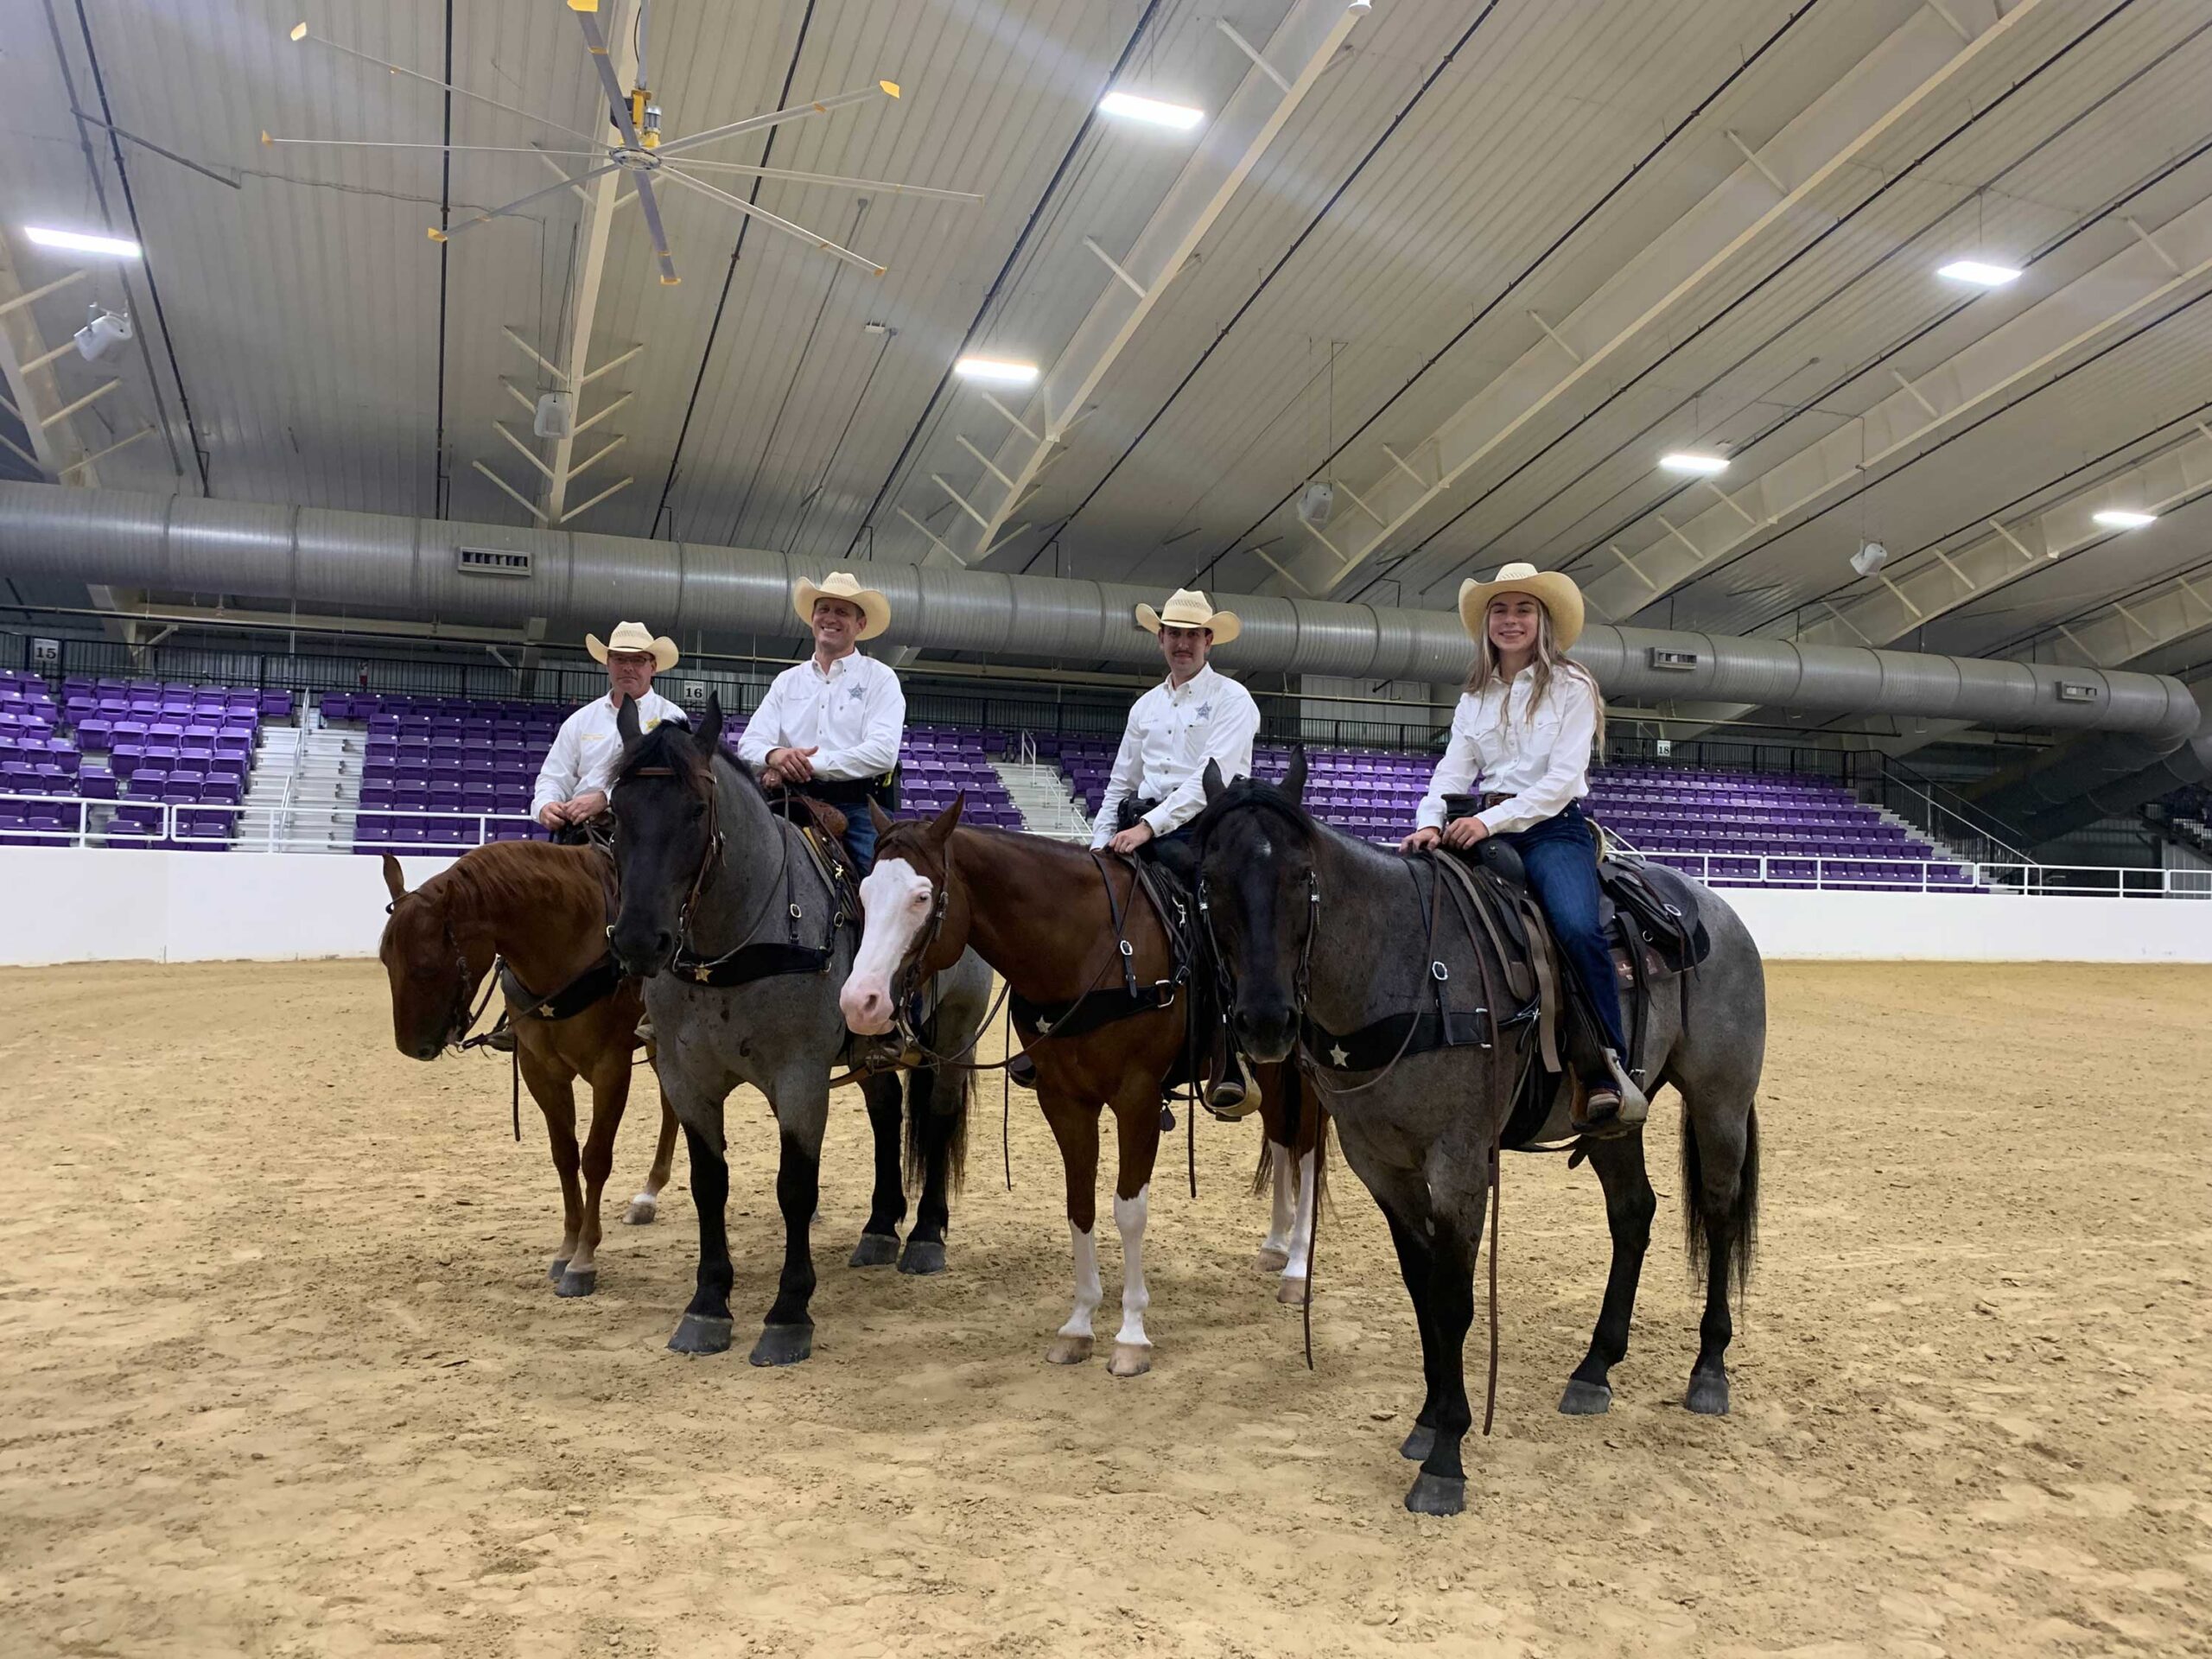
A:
1206,711
857,693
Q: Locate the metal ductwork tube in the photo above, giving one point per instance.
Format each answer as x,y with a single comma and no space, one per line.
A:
370,564
2102,777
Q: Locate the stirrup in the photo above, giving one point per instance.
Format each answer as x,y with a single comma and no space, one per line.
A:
1634,1107
1230,1099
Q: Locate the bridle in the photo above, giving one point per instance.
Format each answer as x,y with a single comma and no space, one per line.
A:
461,1018
710,856
906,979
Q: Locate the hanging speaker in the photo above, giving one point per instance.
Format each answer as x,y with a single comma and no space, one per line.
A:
1316,502
556,416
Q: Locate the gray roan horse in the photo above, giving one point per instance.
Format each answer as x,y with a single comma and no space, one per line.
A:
747,948
1324,933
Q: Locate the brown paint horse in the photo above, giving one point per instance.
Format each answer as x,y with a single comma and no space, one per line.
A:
543,911
1052,919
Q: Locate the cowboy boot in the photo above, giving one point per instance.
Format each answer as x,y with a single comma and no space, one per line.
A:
501,1038
1226,1095
1022,1071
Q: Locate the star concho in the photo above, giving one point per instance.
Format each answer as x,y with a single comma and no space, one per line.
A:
702,972
1338,1058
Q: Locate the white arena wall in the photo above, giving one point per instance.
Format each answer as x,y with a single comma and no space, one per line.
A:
67,904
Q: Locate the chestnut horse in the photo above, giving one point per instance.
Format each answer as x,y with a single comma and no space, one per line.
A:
542,910
1071,933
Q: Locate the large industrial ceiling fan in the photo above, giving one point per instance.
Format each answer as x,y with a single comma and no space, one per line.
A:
641,151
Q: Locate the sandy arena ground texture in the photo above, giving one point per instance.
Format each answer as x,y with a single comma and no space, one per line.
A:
280,1371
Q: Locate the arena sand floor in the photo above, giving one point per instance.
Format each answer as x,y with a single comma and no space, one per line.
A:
280,1372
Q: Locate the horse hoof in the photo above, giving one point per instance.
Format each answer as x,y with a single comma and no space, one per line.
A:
1270,1260
783,1344
1709,1393
580,1282
1130,1359
923,1256
1294,1293
1068,1351
1584,1399
1419,1444
1436,1494
560,1266
700,1333
642,1211
874,1250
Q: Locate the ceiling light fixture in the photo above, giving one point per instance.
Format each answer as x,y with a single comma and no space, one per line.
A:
1697,466
1978,272
1130,107
997,370
2124,518
78,242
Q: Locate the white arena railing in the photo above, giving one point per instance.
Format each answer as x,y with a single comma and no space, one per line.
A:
92,824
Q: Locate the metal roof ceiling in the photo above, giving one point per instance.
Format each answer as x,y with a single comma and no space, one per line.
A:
1457,180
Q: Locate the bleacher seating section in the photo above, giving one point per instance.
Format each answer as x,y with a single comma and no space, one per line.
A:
478,760
175,743
119,749
1706,822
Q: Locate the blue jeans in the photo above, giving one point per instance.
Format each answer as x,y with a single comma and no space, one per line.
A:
860,838
1562,856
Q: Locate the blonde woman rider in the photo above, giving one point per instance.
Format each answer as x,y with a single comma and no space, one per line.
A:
1526,725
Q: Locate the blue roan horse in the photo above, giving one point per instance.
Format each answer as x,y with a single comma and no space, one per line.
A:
1324,934
744,946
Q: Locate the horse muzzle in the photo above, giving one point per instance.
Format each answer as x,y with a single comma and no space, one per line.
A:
867,1007
1266,1035
641,952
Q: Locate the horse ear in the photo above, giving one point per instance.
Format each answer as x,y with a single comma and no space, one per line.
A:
881,819
709,731
395,878
945,823
1294,781
1211,779
625,722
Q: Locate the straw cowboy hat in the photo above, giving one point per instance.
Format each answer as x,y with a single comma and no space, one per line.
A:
840,584
1556,589
635,636
1186,607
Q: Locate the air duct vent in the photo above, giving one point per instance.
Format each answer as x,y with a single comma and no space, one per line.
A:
1680,662
491,561
2070,691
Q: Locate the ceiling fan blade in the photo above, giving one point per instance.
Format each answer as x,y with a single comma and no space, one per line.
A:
451,149
780,223
836,181
796,112
436,235
618,100
300,33
649,204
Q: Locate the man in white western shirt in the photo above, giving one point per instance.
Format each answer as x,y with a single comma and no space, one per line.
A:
1194,716
1158,783
830,727
579,769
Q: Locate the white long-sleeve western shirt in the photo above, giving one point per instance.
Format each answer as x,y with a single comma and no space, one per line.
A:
587,747
853,714
1173,731
1541,761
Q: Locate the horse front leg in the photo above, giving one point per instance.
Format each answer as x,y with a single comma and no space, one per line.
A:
1441,1488
552,1086
705,1327
878,1243
610,1093
1074,1127
1136,1139
936,1131
1629,1207
645,1209
802,1108
1414,1268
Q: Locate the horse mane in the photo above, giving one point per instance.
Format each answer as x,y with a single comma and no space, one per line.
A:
512,878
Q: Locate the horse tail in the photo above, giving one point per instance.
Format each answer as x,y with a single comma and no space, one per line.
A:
922,1097
1738,1228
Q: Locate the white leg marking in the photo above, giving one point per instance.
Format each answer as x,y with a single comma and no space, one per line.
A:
1301,1230
1130,1216
1278,1239
1087,1292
